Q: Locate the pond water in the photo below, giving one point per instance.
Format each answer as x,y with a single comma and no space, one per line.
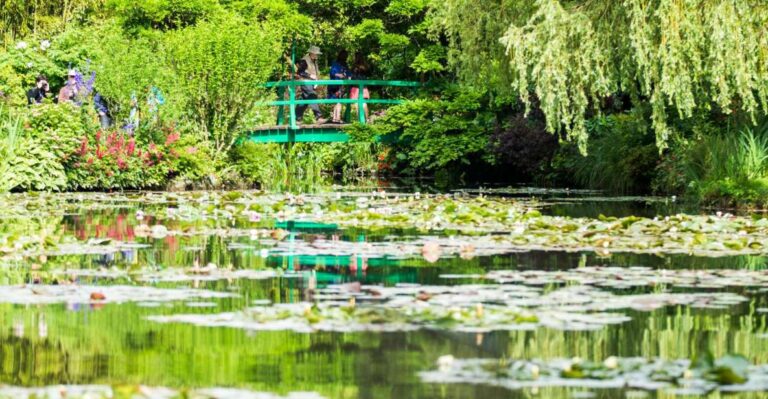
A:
97,280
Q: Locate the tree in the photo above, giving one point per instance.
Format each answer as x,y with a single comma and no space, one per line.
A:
679,56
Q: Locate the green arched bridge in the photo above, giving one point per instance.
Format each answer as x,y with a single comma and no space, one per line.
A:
289,130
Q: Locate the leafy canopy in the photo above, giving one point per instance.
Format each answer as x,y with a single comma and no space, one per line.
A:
680,56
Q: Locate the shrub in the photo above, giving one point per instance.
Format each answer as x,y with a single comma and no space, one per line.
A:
25,163
109,160
522,144
126,67
435,133
59,128
221,66
191,159
719,166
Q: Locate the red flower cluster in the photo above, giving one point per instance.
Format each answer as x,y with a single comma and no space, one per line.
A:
116,147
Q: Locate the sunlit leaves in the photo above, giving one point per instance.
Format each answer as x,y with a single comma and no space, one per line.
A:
680,56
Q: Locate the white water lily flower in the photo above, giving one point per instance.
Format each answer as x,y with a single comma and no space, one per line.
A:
21,45
30,64
612,362
45,45
445,362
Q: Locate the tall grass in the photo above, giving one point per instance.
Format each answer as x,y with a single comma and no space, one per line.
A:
743,156
10,131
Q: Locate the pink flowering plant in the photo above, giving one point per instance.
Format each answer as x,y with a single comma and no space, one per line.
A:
112,159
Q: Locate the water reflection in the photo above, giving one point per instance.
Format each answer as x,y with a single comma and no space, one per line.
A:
115,344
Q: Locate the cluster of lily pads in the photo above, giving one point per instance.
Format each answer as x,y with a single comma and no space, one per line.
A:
140,392
467,308
458,224
50,294
632,277
730,373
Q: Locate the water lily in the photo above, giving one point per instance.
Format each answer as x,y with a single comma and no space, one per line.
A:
611,362
21,45
45,45
445,362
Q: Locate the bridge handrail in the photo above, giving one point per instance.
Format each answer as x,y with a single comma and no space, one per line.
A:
292,102
339,82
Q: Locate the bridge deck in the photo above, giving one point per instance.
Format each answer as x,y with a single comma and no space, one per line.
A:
316,133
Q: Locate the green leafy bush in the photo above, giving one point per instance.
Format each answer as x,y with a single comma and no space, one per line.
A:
220,67
719,166
433,133
59,128
113,160
26,163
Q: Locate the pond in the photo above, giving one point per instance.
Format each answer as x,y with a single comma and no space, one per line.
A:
366,293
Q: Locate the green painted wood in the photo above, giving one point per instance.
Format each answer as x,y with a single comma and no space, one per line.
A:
295,133
285,134
361,104
331,101
349,82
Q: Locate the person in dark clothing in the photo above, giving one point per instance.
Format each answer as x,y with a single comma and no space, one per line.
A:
41,91
307,93
339,71
101,107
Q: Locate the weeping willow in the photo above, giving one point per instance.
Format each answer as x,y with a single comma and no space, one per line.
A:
678,55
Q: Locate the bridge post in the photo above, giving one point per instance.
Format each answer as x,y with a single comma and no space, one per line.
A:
360,103
292,99
280,109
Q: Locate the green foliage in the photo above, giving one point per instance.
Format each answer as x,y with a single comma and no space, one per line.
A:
717,166
220,68
33,167
276,12
278,167
438,132
566,72
684,56
161,14
20,18
622,156
28,162
430,59
111,160
59,128
191,160
128,66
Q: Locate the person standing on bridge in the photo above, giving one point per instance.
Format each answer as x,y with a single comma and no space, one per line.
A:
339,71
307,92
313,70
360,72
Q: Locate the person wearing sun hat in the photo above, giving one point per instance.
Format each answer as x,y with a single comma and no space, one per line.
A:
311,58
69,91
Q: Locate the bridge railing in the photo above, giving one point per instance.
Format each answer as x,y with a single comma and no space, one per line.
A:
292,102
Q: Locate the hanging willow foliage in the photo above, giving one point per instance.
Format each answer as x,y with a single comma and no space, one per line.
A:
679,55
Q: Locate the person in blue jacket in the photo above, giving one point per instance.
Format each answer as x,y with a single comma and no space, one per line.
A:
101,107
339,71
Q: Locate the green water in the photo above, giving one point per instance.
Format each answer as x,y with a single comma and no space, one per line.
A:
114,344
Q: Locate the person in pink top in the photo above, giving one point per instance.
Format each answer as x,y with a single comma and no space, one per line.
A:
360,72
